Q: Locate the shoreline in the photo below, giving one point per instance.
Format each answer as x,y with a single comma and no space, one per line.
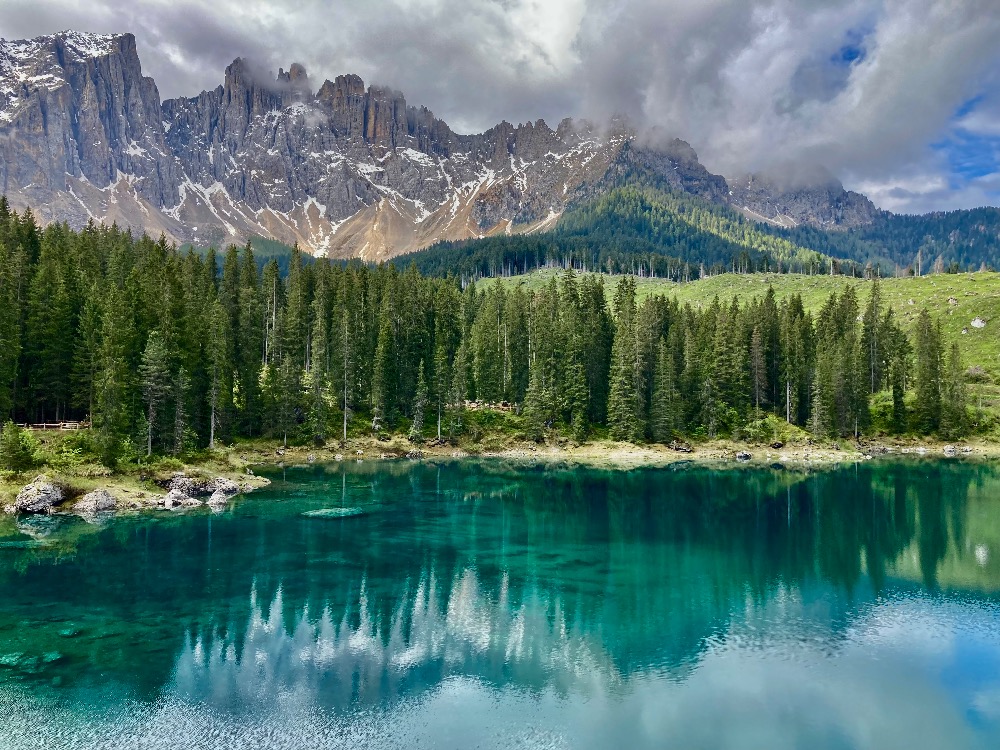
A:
624,456
147,488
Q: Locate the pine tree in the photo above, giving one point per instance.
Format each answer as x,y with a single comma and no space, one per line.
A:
419,405
623,397
488,346
219,365
927,348
49,328
665,397
10,329
155,377
248,348
954,397
112,417
873,341
758,367
383,373
182,389
457,392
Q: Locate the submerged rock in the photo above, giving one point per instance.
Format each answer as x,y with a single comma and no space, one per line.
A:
335,513
38,497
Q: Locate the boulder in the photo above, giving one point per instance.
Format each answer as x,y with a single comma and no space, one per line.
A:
38,497
194,487
218,499
174,499
226,486
950,450
95,502
743,456
184,484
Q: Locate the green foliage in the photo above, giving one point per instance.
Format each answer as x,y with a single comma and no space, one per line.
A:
647,227
644,230
17,448
171,352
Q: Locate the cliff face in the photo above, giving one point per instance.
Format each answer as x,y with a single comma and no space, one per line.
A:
820,203
75,109
343,170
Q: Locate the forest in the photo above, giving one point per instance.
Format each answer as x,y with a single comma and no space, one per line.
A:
643,229
166,351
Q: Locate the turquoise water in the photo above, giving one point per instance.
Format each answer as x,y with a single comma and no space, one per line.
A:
480,604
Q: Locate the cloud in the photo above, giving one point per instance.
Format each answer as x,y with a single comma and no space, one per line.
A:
870,89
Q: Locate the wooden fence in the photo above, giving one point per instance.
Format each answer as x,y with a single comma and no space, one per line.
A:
57,426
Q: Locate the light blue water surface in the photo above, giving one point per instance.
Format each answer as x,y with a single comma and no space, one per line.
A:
493,605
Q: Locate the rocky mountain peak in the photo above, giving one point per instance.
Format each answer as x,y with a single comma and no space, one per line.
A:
797,195
345,171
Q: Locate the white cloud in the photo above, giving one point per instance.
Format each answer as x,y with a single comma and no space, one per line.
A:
750,83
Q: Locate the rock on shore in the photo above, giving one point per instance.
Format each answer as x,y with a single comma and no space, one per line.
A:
41,496
95,502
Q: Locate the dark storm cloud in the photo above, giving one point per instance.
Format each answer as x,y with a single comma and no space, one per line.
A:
863,87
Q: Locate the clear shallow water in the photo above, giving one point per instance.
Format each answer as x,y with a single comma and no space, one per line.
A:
475,604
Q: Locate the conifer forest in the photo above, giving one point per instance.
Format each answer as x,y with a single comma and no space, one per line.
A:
165,351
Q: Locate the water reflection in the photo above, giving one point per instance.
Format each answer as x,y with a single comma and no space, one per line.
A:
675,604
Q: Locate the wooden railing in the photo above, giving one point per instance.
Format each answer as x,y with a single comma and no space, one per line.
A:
57,426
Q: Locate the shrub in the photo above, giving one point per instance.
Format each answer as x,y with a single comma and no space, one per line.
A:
17,448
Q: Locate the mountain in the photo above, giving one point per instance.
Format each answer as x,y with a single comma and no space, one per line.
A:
342,169
818,201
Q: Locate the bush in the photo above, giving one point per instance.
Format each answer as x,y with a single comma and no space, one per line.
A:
764,429
17,448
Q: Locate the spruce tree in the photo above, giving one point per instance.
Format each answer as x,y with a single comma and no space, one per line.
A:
383,372
873,342
664,415
419,406
220,365
623,396
112,418
758,367
181,392
927,349
10,329
156,380
954,397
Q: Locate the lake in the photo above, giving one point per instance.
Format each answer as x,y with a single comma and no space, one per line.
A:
485,604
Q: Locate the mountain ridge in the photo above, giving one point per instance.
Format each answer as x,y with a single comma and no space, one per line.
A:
343,170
